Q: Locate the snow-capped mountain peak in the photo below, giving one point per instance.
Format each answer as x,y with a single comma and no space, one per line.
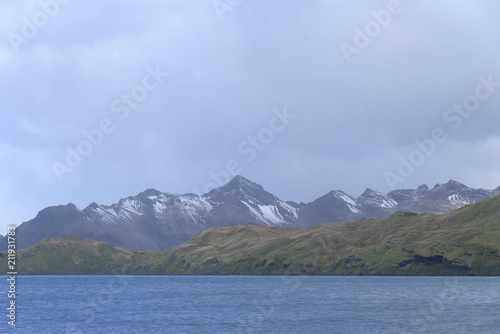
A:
241,189
343,196
153,220
149,193
240,183
375,198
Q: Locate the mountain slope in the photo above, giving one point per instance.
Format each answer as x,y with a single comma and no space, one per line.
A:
441,198
241,200
74,255
153,220
463,242
335,206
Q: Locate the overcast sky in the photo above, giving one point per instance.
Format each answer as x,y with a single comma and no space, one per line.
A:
100,100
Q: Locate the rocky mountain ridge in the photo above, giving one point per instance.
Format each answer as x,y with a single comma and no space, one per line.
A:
153,220
460,243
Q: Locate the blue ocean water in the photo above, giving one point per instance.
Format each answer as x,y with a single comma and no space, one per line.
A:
253,304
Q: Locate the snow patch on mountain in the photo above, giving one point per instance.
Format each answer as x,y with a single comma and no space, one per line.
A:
157,221
131,207
269,214
107,215
347,199
388,203
194,204
343,196
159,203
290,209
353,208
377,199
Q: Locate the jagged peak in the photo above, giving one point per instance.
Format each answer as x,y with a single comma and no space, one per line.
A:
451,185
373,196
340,195
369,192
72,206
241,189
337,193
91,206
149,192
239,183
140,199
68,208
453,182
240,180
423,187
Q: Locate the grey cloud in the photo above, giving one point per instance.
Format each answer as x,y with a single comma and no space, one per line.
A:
353,120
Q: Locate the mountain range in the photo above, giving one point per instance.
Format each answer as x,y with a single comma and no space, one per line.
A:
153,220
462,242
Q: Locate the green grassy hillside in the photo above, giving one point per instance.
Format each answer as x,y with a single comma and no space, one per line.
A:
464,242
73,255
